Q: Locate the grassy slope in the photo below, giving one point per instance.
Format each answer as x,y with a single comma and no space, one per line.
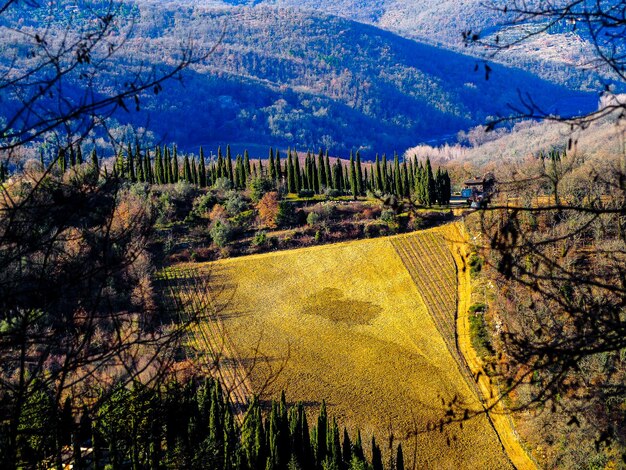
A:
357,332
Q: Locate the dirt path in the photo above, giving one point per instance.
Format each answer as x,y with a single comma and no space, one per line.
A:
498,415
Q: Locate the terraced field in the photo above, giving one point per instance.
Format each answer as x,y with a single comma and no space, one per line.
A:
366,325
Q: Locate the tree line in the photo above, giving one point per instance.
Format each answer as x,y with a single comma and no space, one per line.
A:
187,425
316,175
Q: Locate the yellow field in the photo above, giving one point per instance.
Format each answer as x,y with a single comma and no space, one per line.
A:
366,325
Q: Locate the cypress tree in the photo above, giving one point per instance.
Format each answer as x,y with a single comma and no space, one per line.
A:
61,160
220,163
187,170
329,174
95,165
406,187
229,163
346,449
72,156
380,186
175,167
358,447
321,171
322,429
386,185
79,155
353,181
399,458
291,180
239,172
167,166
377,457
260,168
202,169
430,182
397,176
297,174
147,170
141,177
359,174
194,171
246,163
272,168
131,165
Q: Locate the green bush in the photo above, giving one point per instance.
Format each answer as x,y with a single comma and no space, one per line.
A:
480,336
221,233
475,263
260,238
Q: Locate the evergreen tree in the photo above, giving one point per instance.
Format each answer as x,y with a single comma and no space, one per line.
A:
167,166
322,429
203,181
399,458
79,155
147,168
246,163
329,174
187,170
272,168
229,163
377,457
95,164
406,186
194,171
380,185
297,175
321,171
397,176
346,449
291,179
175,167
359,174
354,187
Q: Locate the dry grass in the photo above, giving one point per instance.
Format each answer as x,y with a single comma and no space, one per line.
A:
348,324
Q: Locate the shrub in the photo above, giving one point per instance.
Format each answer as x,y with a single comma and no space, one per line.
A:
475,263
286,214
234,203
313,218
480,335
260,238
221,233
268,209
259,187
388,216
306,193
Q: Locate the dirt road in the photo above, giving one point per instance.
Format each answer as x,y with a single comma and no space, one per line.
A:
499,416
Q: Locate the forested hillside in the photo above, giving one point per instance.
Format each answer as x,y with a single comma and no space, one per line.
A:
560,54
293,78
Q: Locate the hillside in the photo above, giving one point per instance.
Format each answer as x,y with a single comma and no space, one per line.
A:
560,54
286,77
375,345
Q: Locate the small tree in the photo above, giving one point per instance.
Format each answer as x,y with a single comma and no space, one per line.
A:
268,208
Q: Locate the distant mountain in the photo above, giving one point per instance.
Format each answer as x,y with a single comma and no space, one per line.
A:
561,54
289,77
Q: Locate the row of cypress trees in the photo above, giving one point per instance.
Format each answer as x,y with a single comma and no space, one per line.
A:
187,425
162,165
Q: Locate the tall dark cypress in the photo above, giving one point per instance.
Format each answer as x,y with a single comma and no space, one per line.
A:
359,174
386,185
328,171
297,174
229,163
147,168
377,456
194,172
397,176
322,430
291,180
187,170
261,169
380,185
399,458
353,183
220,163
272,168
167,166
141,177
95,165
346,449
321,171
246,163
175,167
239,178
202,169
